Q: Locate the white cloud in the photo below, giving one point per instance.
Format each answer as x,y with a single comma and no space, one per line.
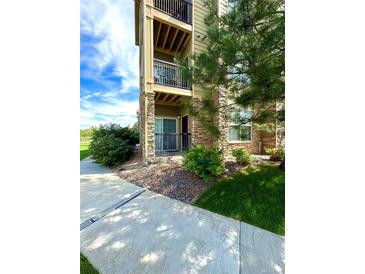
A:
111,23
113,20
110,108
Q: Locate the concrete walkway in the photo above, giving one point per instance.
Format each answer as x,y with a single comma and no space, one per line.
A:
155,234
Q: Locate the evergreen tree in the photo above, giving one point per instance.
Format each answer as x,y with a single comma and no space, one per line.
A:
245,56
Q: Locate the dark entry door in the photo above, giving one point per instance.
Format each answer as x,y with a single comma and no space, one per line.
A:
184,131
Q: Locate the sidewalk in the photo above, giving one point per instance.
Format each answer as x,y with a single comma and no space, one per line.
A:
155,234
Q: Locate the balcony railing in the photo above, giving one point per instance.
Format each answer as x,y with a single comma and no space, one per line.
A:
171,143
169,74
180,9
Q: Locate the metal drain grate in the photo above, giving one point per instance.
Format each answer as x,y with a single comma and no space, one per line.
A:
86,224
110,209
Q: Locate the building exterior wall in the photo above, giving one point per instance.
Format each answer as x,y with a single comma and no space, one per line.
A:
200,41
142,124
251,146
148,110
150,127
199,134
170,111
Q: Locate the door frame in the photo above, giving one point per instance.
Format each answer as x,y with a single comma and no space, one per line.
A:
182,136
176,131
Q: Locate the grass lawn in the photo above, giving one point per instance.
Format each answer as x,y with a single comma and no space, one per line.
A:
86,267
256,196
84,149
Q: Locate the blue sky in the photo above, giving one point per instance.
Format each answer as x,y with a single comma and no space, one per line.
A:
108,63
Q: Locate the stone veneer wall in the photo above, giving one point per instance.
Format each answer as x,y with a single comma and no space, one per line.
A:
199,135
221,120
280,134
150,120
268,140
147,122
251,146
141,121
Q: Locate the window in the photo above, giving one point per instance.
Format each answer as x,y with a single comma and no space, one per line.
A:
165,134
231,5
239,129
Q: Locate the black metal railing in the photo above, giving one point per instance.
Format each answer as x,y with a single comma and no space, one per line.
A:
169,74
180,9
171,143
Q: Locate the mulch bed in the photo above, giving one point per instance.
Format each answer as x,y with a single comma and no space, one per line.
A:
169,179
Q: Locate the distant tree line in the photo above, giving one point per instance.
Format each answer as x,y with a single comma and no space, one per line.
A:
88,132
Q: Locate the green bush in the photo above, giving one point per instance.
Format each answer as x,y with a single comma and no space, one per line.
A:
204,162
112,145
128,134
276,154
242,156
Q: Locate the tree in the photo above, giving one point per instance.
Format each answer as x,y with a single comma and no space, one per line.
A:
88,132
245,56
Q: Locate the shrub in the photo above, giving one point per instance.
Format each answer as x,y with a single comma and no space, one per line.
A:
128,134
204,162
112,145
242,156
276,154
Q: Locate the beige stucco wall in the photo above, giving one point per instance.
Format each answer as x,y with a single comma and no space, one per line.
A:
162,110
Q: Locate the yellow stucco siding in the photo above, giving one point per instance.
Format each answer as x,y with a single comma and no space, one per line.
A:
223,6
200,30
161,110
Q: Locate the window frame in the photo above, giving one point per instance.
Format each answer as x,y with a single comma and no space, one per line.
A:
231,123
177,131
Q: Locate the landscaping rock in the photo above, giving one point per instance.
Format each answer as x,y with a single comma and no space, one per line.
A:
169,179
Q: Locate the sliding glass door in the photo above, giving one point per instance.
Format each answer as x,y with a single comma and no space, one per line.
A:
166,134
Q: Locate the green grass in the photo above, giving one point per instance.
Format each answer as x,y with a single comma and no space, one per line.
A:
256,196
86,267
84,149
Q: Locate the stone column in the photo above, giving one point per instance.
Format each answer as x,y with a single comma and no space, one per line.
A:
150,127
148,96
221,121
142,120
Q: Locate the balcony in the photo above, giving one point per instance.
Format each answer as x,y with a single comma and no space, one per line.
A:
168,74
179,9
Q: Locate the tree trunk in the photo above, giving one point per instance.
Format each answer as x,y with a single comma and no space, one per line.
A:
282,165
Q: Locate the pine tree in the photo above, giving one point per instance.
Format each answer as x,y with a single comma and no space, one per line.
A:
246,57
